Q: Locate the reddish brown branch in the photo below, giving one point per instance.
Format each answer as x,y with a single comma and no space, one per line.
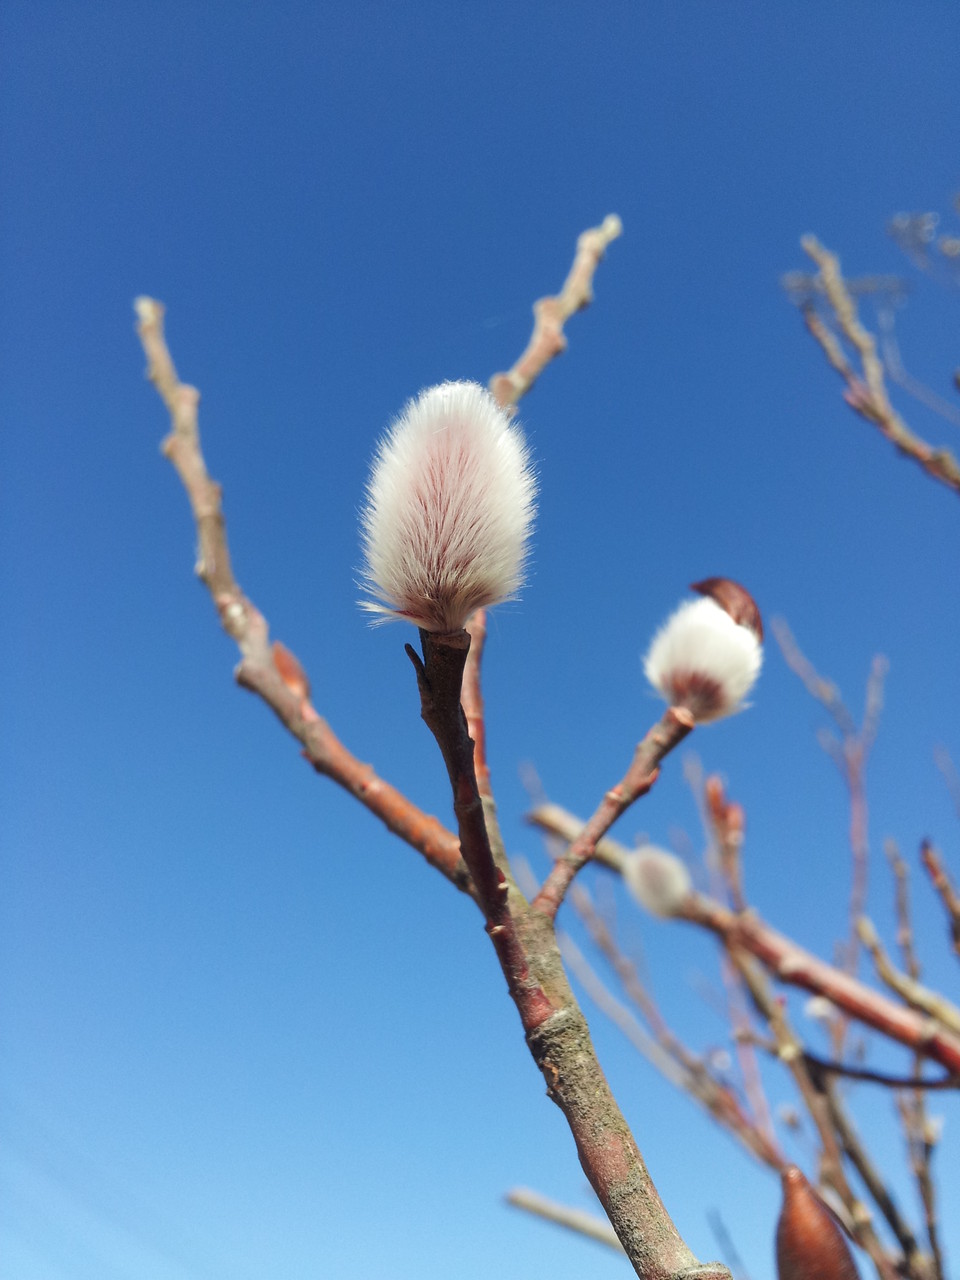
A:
556,1031
555,1028
550,314
792,964
284,692
644,770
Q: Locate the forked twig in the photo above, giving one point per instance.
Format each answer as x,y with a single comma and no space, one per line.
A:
865,391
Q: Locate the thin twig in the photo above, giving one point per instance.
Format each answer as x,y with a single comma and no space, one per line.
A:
790,1052
550,314
913,992
850,754
790,962
921,1140
941,881
827,1066
273,672
856,1153
644,770
584,1224
727,1248
865,391
693,1075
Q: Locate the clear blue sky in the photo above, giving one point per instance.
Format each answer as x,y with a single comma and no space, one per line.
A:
246,1033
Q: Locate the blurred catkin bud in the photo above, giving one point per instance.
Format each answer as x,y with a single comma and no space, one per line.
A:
820,1009
811,1244
450,504
707,655
656,879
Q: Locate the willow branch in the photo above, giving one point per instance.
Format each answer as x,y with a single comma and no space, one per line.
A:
555,1027
789,962
286,693
865,389
644,770
550,315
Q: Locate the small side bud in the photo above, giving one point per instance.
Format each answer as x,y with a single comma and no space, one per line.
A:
290,671
450,505
811,1244
706,657
658,880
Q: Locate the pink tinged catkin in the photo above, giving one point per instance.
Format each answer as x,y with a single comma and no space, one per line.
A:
707,655
449,509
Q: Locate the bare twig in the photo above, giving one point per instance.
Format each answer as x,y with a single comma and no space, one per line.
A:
790,1052
727,1248
644,770
584,1224
556,1031
916,995
865,390
827,1066
849,753
554,820
933,864
550,314
921,1140
901,881
856,1153
789,962
284,691
893,363
672,1058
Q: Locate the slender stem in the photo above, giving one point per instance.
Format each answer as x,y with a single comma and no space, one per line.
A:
584,1224
644,770
792,964
242,620
786,959
556,1030
550,314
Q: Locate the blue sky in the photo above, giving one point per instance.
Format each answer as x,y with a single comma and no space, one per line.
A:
247,1034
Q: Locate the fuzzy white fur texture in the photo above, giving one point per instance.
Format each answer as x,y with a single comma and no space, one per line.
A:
656,879
449,510
701,659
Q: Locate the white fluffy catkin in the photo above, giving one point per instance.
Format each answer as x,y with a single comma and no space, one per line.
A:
703,660
656,879
450,505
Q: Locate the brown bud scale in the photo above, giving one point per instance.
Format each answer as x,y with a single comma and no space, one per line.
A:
811,1244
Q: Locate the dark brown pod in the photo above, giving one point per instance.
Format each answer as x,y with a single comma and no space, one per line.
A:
733,599
811,1244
